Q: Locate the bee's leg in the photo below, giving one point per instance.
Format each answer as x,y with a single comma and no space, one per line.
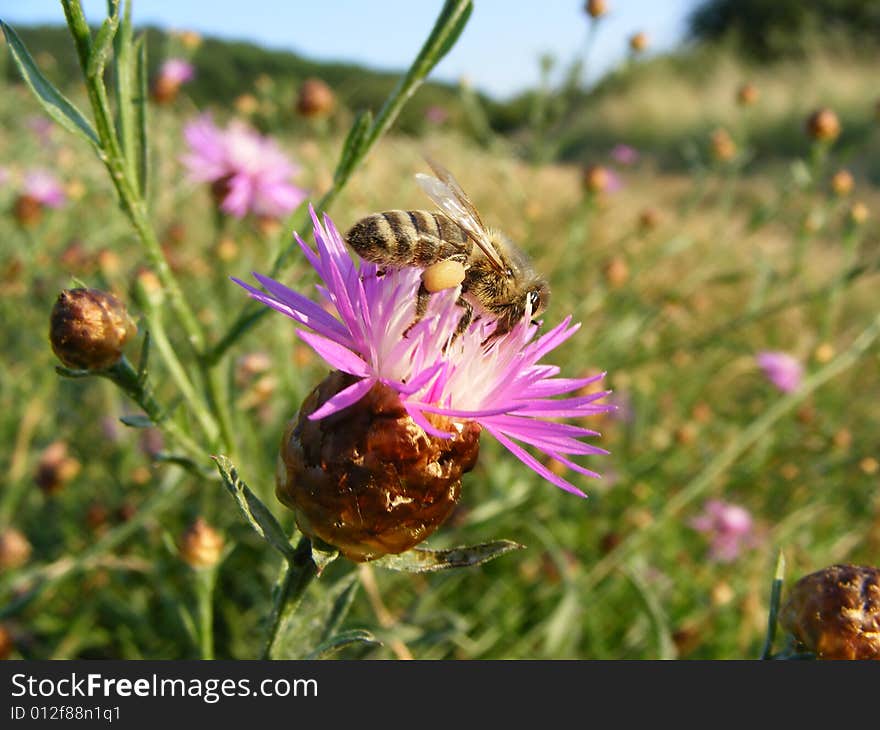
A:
422,299
466,317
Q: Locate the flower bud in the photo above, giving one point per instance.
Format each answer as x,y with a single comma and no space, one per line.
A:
14,549
89,328
723,146
27,210
596,8
315,99
823,125
55,468
201,546
858,213
596,179
368,479
616,272
638,42
835,612
842,183
747,95
6,643
649,219
246,105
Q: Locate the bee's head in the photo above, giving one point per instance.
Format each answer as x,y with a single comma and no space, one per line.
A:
538,296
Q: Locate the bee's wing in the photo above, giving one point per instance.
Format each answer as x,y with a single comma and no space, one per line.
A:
453,201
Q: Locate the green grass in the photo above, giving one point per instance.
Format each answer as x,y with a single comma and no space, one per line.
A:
706,289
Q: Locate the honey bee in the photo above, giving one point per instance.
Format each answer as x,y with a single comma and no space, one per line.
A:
498,278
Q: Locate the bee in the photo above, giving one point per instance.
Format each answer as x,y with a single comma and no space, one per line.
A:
498,278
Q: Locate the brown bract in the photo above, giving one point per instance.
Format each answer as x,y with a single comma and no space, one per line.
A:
88,329
835,612
368,479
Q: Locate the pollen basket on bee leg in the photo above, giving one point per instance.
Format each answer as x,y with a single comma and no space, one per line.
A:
446,274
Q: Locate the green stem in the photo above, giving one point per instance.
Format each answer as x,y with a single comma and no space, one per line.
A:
773,614
297,574
728,456
206,579
112,156
127,379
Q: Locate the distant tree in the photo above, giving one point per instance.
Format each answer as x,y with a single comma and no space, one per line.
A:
773,28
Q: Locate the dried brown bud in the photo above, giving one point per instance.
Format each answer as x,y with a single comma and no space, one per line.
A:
190,39
201,546
55,468
596,179
368,479
638,42
649,219
27,210
315,99
596,8
723,146
14,549
842,183
747,95
6,643
823,125
616,272
88,329
858,213
246,104
164,90
835,612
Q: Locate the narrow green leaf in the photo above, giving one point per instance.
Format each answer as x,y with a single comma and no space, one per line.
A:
126,89
420,560
137,420
351,149
144,359
303,630
141,140
54,102
452,32
256,513
328,648
102,47
71,373
339,610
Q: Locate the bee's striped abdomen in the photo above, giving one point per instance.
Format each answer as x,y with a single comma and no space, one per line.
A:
407,238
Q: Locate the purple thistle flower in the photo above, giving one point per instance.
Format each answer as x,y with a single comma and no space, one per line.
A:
176,71
496,383
729,527
624,155
249,172
782,369
45,188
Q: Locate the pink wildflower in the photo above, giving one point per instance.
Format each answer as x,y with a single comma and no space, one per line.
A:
248,172
782,369
493,381
43,187
729,527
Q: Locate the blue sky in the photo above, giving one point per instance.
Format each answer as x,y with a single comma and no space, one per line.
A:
498,51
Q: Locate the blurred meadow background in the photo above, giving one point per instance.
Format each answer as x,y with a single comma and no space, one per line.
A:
690,206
